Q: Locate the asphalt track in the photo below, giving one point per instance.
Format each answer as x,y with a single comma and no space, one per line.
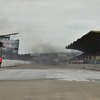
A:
57,74
42,82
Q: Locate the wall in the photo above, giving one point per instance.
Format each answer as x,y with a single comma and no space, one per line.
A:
6,62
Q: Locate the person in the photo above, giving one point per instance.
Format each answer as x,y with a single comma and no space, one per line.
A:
0,61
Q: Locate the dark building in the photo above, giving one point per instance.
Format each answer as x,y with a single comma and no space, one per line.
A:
89,44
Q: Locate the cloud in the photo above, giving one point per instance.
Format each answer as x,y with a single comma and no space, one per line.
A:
51,23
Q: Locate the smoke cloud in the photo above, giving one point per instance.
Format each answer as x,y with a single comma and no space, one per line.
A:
44,48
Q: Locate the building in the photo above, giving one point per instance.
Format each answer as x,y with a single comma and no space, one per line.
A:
9,44
52,58
89,44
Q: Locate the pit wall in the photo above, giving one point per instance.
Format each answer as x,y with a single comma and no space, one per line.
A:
6,63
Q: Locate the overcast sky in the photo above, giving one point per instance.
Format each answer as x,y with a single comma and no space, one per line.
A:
48,25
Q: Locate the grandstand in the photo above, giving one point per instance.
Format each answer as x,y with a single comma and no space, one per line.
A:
89,44
9,44
10,47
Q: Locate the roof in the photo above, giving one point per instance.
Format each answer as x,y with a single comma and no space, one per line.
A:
9,34
86,42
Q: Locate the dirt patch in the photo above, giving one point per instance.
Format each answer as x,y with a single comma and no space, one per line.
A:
49,90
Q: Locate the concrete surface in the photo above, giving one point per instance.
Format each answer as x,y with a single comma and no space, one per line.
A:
46,83
95,67
58,74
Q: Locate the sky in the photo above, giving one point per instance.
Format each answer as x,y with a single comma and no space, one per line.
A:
48,26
